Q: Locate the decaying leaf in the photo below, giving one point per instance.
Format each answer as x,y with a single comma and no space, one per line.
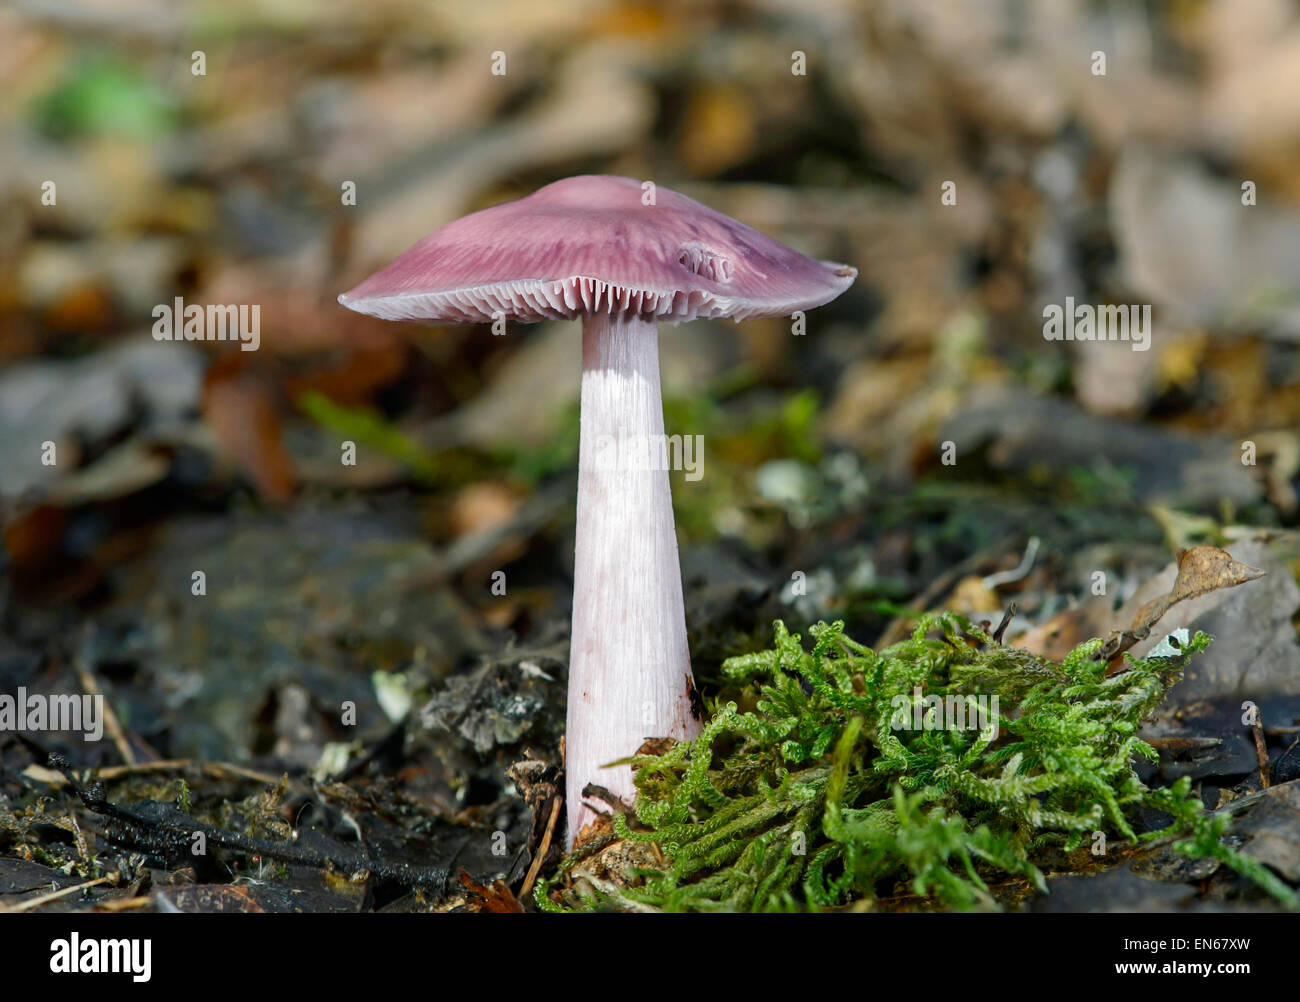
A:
1201,570
495,897
242,413
540,783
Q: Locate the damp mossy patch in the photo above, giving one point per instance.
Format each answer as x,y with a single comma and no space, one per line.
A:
947,766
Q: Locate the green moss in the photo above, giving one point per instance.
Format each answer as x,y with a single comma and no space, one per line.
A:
827,792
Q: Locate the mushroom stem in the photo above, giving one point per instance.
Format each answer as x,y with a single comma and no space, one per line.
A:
629,664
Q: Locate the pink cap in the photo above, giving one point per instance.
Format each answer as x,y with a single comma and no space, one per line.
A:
588,245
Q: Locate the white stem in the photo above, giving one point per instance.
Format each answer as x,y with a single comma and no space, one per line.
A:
629,665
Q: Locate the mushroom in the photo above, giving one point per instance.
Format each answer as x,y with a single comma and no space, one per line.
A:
623,256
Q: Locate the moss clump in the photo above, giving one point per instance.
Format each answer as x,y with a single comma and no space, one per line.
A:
856,770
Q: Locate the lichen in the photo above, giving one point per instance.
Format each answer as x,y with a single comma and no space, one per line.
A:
824,792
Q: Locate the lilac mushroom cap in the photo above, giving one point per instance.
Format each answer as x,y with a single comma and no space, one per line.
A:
588,245
602,249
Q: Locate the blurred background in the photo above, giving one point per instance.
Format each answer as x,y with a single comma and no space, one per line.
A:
825,491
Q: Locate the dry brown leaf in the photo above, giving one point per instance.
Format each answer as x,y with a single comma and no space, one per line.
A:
1201,570
242,412
1066,630
495,897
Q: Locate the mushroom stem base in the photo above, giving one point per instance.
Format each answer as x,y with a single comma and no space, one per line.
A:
629,664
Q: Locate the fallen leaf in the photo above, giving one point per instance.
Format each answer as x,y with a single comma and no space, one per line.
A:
496,897
1201,570
239,408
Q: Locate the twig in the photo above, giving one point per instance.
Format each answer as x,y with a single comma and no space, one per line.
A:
114,726
1016,573
123,904
1261,753
166,828
603,795
1006,621
44,899
218,770
542,849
